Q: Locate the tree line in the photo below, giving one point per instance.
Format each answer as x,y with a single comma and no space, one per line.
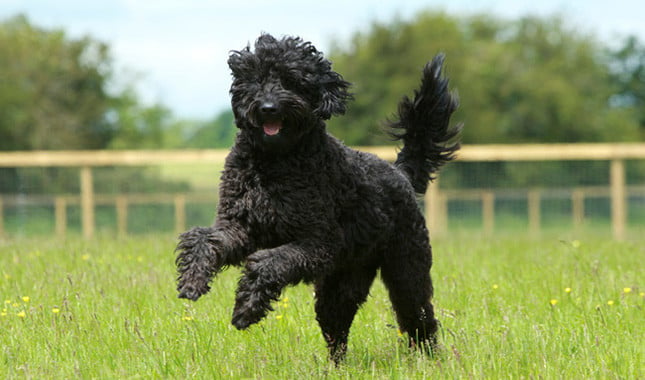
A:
526,80
532,79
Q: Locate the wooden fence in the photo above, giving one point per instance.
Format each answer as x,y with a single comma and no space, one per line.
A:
120,202
435,202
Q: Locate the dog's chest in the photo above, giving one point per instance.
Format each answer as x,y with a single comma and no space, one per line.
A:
283,207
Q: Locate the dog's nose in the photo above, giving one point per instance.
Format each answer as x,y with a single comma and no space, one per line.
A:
269,108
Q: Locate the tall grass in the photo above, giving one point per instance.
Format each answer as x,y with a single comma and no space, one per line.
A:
509,308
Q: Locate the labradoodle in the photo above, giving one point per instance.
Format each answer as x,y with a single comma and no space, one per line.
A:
297,205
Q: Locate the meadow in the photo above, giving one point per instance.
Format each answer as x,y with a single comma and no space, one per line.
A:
510,307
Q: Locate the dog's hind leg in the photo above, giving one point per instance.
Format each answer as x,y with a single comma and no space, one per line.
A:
407,278
338,297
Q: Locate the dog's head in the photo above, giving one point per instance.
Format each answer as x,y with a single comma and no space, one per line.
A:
283,89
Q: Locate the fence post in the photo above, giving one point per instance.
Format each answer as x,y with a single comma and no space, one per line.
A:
618,207
578,207
60,210
488,211
534,211
436,210
121,215
87,202
180,213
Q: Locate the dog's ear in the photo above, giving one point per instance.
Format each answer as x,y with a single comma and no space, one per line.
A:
238,60
334,94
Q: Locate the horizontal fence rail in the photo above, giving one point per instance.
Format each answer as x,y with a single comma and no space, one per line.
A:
435,202
472,153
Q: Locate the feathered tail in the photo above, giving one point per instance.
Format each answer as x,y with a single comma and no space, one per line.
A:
423,125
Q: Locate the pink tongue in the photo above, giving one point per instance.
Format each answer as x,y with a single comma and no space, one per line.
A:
271,129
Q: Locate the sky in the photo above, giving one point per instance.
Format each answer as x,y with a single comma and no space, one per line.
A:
175,51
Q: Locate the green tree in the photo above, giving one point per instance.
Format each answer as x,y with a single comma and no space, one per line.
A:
529,80
543,82
54,95
52,89
384,64
627,66
139,126
217,133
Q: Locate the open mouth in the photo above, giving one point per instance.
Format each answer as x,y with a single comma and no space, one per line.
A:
272,128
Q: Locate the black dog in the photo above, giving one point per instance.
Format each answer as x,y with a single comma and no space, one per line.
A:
298,205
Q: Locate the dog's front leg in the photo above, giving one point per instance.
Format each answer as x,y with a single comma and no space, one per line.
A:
203,252
268,271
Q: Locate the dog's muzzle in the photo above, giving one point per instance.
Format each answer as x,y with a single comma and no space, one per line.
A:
271,120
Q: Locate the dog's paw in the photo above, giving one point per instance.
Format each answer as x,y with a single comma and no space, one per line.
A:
194,288
244,318
192,293
250,308
258,287
253,300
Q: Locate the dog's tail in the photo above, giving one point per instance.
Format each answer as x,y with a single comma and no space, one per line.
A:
423,125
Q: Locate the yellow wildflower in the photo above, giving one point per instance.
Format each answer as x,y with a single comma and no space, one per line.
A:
188,318
567,290
85,257
25,299
278,317
495,286
627,290
22,314
55,310
553,302
610,302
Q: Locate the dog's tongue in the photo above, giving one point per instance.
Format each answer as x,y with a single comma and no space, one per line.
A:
272,128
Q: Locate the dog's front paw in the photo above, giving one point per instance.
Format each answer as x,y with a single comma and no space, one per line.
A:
197,262
248,311
253,300
193,282
192,291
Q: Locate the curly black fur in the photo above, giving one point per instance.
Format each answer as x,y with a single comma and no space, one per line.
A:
296,205
428,140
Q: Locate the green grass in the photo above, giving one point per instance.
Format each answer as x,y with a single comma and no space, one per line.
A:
107,309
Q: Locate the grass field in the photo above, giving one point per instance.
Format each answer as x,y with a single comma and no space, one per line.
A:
509,308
